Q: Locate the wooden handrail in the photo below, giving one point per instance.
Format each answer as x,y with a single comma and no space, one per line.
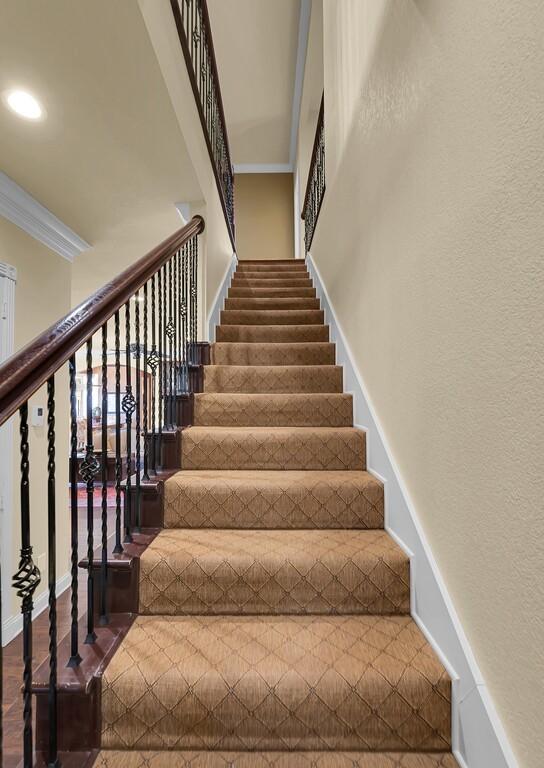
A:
26,371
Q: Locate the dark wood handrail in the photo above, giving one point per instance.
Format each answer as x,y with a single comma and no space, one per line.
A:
26,371
315,148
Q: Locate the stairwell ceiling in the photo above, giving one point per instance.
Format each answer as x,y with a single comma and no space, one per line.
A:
256,49
109,160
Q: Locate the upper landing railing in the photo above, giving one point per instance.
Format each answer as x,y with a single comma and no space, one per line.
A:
195,35
315,187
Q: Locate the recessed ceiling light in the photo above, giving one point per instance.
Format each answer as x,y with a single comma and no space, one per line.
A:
24,104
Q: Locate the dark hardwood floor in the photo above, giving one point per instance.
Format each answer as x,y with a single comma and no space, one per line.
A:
12,705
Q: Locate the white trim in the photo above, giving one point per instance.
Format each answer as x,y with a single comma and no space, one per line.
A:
302,49
262,168
217,306
12,626
25,212
478,738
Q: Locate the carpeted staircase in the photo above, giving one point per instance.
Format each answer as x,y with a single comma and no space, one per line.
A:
274,625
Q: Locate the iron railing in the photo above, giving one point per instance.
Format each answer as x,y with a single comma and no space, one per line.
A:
315,187
157,298
195,35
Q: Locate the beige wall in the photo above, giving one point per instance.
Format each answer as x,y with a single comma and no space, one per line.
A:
430,244
42,295
264,215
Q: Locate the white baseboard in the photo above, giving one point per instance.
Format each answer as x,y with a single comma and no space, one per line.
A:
217,306
14,624
478,738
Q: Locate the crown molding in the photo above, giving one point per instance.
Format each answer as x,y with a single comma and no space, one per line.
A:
32,217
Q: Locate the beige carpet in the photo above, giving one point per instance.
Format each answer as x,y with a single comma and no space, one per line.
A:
274,625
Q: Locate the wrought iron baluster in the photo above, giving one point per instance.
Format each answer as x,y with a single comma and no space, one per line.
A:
164,348
170,333
90,467
137,519
52,574
26,581
118,459
152,363
160,367
75,658
129,405
179,323
145,395
104,447
185,317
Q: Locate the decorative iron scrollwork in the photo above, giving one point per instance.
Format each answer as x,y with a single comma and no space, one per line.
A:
27,579
153,360
128,403
90,466
170,329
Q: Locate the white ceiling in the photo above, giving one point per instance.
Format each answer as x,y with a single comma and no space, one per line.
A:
256,45
109,160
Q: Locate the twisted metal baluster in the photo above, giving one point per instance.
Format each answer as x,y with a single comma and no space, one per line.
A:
118,460
75,658
104,560
89,468
137,519
26,581
152,363
164,348
160,366
53,761
129,406
145,397
170,333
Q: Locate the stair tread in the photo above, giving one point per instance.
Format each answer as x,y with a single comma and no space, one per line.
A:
271,302
269,409
277,448
272,317
217,759
213,571
271,499
273,353
275,682
273,378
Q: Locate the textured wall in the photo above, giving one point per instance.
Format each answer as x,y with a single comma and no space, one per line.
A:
264,215
430,243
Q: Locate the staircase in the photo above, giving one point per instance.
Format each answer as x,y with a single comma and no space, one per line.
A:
274,625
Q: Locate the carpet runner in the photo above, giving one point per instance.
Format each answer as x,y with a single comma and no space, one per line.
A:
274,625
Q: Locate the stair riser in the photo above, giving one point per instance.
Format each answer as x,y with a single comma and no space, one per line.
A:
272,354
272,317
277,379
267,501
274,573
253,334
277,450
248,303
269,267
271,293
269,276
238,410
238,282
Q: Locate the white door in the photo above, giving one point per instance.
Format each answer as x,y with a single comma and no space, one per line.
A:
7,316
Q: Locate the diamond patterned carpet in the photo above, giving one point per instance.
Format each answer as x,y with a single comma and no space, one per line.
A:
274,626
